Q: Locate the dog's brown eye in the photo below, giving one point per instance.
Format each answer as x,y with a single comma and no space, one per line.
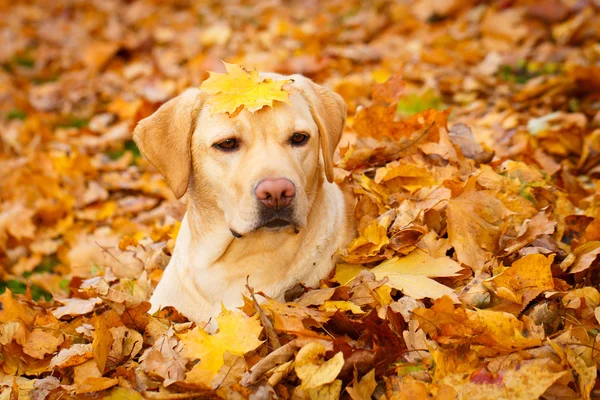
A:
299,139
227,145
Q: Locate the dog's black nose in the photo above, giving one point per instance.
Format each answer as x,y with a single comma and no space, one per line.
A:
275,193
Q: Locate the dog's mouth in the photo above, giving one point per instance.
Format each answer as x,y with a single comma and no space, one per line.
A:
276,223
272,221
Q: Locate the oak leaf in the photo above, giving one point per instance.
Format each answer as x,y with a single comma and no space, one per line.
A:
239,88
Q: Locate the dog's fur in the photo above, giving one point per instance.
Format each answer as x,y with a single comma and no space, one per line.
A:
221,240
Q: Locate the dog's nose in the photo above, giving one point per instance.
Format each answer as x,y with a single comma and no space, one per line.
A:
275,193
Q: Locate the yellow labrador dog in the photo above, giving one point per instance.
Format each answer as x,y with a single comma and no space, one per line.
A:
261,197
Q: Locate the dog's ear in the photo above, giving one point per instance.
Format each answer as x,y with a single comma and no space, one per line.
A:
328,109
164,138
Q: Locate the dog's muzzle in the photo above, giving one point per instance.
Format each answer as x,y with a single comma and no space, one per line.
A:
272,219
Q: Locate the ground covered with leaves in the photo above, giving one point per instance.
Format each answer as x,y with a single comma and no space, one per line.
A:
474,156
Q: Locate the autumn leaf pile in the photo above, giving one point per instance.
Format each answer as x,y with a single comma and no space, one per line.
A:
473,149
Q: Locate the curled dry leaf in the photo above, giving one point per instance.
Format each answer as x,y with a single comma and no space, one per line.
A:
312,368
74,307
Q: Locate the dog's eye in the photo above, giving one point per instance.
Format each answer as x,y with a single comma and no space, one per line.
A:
227,145
299,139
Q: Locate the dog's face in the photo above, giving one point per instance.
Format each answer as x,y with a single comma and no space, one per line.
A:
262,169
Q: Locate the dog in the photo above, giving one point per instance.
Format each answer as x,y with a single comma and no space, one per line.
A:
262,202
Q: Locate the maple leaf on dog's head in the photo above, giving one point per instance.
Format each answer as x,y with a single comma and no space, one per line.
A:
239,88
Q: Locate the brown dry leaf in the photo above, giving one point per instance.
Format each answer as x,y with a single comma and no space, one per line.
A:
74,355
15,220
527,278
540,224
40,342
475,223
503,331
102,342
14,310
95,384
278,357
582,257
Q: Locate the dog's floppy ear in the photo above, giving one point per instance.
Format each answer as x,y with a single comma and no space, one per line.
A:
165,138
328,109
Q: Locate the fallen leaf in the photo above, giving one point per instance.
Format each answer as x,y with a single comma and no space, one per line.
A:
74,355
102,342
411,275
238,334
364,389
94,384
475,222
527,278
312,368
529,381
40,342
341,305
74,307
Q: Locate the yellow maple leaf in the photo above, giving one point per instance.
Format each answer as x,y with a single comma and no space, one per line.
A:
239,88
411,274
238,334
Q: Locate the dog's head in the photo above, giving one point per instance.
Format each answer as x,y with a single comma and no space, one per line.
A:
263,169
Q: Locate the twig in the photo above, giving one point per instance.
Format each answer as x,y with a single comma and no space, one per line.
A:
272,339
